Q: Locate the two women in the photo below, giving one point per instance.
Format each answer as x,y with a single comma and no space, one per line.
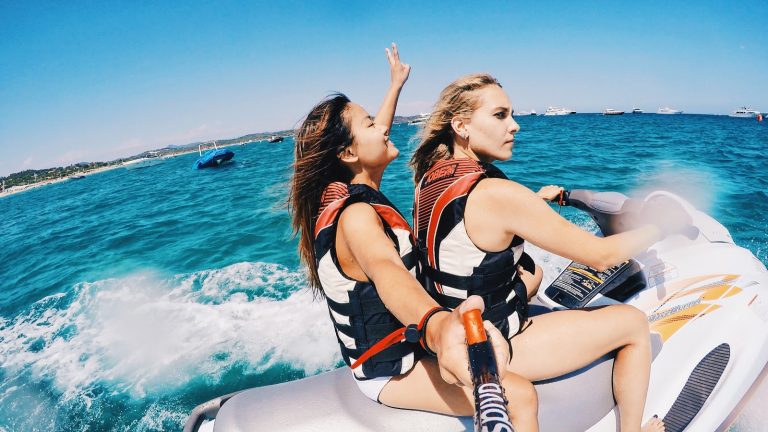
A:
470,221
358,250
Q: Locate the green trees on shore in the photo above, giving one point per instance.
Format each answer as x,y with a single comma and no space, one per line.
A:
31,176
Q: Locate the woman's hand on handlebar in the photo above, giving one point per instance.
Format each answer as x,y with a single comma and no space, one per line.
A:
550,192
451,345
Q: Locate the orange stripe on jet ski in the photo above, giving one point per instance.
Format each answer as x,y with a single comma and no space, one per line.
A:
678,288
720,292
668,326
686,283
671,324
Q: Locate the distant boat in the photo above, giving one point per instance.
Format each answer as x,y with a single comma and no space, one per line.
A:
420,119
668,110
149,159
275,139
525,113
744,112
611,111
212,158
637,111
77,176
555,111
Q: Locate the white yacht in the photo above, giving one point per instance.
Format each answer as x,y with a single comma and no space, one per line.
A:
637,111
420,119
668,110
553,111
525,113
611,111
149,159
744,112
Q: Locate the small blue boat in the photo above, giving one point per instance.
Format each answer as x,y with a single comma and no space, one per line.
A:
212,158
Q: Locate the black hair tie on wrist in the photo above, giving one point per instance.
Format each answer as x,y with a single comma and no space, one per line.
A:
417,333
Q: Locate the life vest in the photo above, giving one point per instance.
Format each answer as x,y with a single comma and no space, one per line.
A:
359,316
450,266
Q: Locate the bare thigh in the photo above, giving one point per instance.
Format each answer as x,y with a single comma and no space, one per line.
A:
560,342
423,388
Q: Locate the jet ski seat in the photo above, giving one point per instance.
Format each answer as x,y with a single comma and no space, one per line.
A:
331,401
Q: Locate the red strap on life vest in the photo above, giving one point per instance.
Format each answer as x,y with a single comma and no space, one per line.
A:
396,337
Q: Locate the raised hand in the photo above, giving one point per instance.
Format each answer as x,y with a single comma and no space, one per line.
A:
398,71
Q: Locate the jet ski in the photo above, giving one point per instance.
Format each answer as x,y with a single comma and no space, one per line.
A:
707,305
212,158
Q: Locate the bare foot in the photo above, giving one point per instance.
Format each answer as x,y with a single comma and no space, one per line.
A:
654,424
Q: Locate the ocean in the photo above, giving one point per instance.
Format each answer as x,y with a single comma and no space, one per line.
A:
129,297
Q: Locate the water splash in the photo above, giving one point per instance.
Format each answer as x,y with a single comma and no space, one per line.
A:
117,341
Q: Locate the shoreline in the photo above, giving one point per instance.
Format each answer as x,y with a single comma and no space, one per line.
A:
24,188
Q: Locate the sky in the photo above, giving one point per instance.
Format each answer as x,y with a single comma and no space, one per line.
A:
95,81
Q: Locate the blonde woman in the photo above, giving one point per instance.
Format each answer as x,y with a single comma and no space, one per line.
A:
470,221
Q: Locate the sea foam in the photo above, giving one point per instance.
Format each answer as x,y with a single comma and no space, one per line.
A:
148,336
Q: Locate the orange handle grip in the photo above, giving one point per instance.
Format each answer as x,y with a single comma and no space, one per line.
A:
473,327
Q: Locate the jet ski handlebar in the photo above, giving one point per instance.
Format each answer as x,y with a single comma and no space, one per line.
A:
610,210
592,201
614,212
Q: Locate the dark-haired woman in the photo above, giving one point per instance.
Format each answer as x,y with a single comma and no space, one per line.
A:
357,248
470,221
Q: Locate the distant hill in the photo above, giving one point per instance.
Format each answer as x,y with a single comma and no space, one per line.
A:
31,176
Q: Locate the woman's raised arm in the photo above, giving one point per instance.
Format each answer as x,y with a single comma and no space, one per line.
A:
398,75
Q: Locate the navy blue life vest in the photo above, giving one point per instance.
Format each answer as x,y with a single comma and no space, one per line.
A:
450,266
359,316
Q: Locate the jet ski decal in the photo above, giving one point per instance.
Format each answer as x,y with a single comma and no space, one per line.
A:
669,321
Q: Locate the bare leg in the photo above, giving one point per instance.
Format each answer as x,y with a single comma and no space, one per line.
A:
424,389
655,424
532,281
560,342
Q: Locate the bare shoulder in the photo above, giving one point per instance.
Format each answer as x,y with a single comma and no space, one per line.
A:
359,217
489,209
503,205
497,191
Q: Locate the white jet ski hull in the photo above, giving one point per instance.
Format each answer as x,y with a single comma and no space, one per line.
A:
707,306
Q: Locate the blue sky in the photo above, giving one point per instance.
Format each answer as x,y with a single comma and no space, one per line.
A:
85,81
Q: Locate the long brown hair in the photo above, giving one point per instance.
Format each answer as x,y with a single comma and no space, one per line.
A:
320,138
457,99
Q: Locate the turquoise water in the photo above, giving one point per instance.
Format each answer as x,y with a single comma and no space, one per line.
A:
129,297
